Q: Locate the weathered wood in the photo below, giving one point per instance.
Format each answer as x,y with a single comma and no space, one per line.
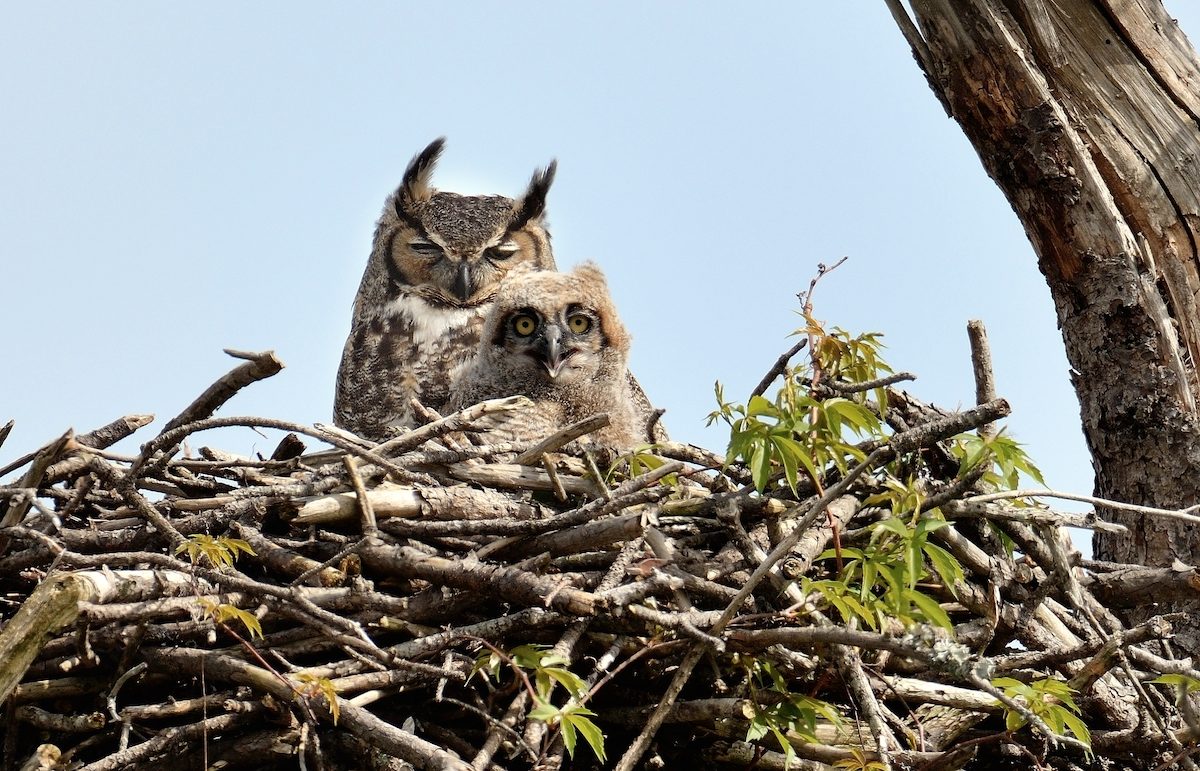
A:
56,604
440,503
686,581
1086,114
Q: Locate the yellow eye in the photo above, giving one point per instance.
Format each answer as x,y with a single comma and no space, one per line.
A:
579,323
524,324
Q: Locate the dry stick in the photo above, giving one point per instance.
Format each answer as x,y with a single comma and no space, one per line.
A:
126,486
433,644
1184,515
811,329
778,368
508,583
1155,628
5,430
21,461
692,454
868,385
515,711
457,421
369,527
285,561
622,497
957,509
860,689
562,437
286,596
111,433
164,741
176,434
907,441
13,513
97,439
920,49
54,722
598,476
1084,602
1083,680
634,754
807,636
360,722
321,567
258,366
981,364
566,644
560,492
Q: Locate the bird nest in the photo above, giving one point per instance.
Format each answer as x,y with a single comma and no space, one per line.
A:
434,601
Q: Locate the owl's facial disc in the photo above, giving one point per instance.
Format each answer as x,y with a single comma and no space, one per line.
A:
553,346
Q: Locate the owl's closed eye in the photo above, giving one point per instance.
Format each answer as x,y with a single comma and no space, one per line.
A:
436,263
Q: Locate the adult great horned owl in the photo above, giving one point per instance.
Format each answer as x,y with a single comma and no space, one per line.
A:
556,338
437,260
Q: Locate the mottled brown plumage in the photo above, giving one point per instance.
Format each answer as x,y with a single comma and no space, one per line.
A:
436,263
557,339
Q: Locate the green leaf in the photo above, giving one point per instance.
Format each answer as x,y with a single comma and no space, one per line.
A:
1189,684
870,572
860,419
914,561
488,665
759,406
894,525
758,728
527,656
929,608
250,621
236,545
788,753
929,524
567,679
861,611
568,735
1054,718
892,577
576,721
790,458
546,713
760,467
1077,727
843,608
948,569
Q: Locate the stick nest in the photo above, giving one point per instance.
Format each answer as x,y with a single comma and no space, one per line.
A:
436,602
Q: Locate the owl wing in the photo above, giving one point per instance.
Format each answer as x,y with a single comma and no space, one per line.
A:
386,363
644,412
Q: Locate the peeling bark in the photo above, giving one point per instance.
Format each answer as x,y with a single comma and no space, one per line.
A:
1086,113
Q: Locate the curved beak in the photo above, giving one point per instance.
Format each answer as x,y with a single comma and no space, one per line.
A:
463,288
552,354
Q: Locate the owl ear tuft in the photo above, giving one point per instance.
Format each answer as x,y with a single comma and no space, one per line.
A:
532,204
590,271
415,188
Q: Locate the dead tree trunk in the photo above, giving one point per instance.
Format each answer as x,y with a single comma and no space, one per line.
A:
1086,113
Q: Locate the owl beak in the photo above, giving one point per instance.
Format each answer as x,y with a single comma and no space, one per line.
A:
462,282
553,355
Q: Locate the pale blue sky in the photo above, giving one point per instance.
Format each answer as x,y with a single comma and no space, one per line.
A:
177,179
